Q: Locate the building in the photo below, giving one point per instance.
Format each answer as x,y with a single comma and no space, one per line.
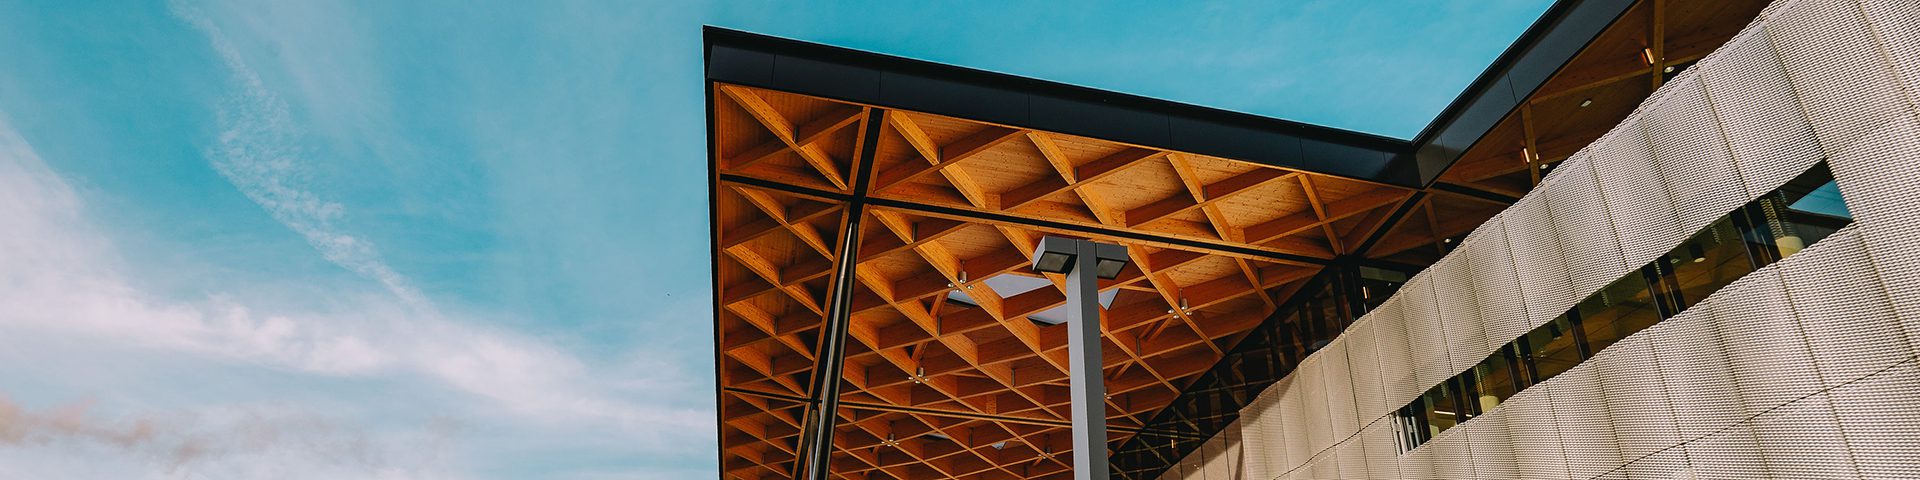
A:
1656,239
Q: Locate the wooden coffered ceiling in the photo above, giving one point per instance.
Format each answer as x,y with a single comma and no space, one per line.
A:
951,368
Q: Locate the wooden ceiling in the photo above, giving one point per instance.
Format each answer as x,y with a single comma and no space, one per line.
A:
948,373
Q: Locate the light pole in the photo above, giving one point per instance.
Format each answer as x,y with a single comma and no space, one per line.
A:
1084,262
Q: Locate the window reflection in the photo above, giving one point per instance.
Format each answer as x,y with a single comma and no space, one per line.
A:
1763,231
1550,349
1495,379
1378,284
1441,410
1711,259
1797,214
1616,311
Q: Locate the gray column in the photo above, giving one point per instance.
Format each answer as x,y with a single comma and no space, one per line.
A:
1085,379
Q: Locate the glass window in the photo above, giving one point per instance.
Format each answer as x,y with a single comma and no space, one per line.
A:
1494,380
1324,318
1797,214
1441,411
1378,284
1550,349
1621,309
1412,422
1711,259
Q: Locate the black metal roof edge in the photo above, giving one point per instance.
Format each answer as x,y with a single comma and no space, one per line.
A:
846,74
728,36
829,71
1491,74
1547,46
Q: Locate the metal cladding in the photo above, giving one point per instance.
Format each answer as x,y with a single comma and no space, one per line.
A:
1804,368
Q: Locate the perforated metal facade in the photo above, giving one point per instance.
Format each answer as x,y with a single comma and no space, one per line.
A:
1804,368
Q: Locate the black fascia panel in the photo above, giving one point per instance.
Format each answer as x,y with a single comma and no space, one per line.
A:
894,82
1546,47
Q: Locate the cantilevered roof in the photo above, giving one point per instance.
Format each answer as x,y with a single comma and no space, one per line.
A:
944,178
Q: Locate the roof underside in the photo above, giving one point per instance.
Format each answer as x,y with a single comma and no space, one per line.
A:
952,366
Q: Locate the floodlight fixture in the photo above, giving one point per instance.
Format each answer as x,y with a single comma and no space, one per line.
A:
1058,255
1109,259
1055,255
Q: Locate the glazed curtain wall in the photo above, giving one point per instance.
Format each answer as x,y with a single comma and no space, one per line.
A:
1802,369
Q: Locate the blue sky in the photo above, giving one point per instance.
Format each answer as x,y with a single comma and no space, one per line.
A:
456,240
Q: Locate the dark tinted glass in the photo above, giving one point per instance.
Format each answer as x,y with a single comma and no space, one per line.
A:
1442,411
1796,215
1710,260
1619,310
1550,349
1769,228
1376,285
1493,379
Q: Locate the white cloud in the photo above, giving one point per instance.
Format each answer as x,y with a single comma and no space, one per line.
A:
60,278
258,151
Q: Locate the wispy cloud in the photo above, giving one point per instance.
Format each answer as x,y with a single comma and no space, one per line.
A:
259,152
61,278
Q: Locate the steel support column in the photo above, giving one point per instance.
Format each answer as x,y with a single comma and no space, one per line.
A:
812,456
1086,382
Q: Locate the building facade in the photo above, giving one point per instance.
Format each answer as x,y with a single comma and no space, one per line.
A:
1654,239
1724,285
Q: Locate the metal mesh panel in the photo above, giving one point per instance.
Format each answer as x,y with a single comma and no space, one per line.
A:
1767,131
1311,387
1693,367
1586,233
1352,459
1635,195
1195,464
1236,451
1668,464
1459,312
1503,310
1418,463
1580,413
1765,349
1219,458
1294,418
1798,440
1876,179
1383,456
1263,421
1881,416
1451,454
1691,153
1425,335
1635,397
1537,259
1848,94
1325,466
1896,25
1843,309
1536,443
1363,365
1729,453
1338,394
1396,355
1492,447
